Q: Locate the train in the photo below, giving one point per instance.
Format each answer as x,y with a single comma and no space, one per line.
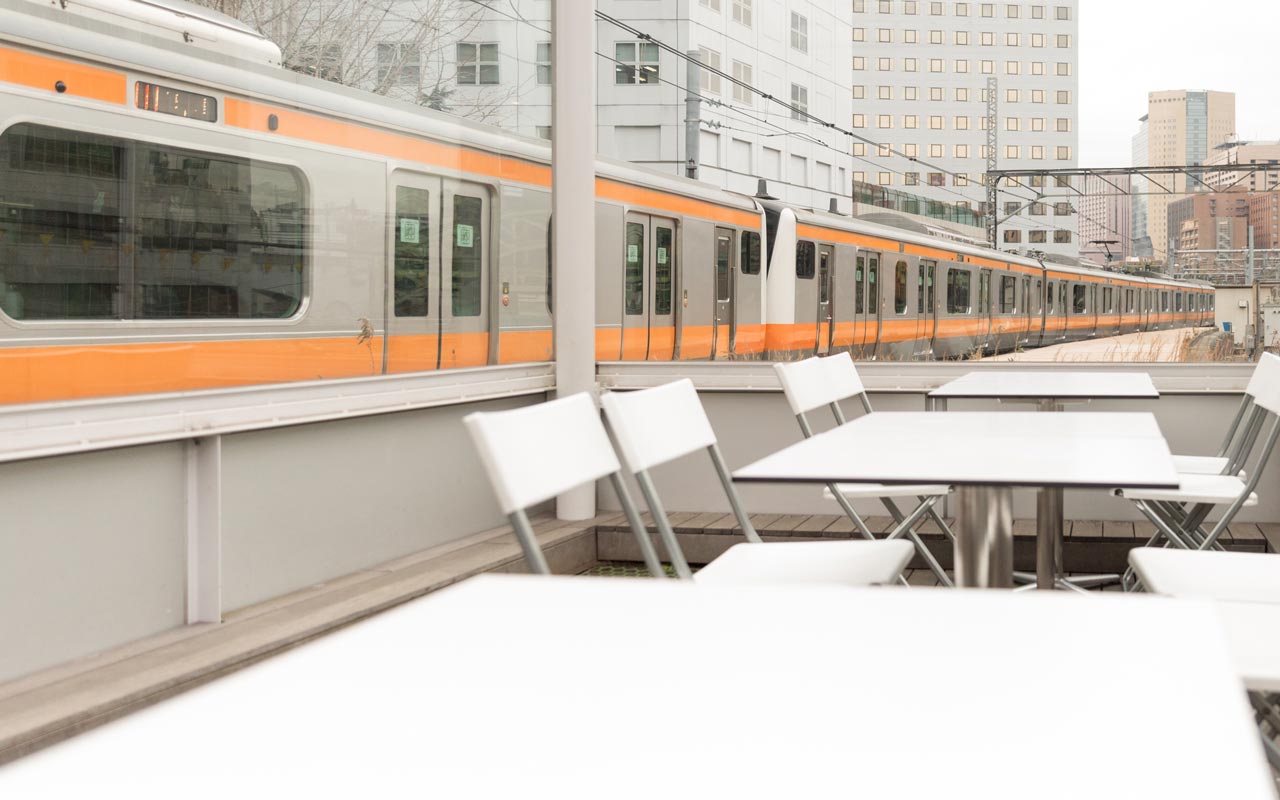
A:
174,218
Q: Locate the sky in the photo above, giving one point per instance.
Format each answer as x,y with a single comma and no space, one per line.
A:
1131,47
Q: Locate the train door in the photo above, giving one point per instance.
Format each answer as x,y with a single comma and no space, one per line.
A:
826,317
722,331
648,289
926,309
1093,307
859,304
983,338
414,315
875,313
1025,337
464,318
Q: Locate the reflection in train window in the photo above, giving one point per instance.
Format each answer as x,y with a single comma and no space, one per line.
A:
806,257
634,291
1106,300
412,252
1039,297
1008,290
958,292
664,239
1049,299
110,228
1077,298
931,269
1177,302
749,262
920,289
900,288
859,283
468,244
1164,302
873,289
724,265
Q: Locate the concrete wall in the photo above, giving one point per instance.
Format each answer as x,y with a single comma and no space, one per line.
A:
93,546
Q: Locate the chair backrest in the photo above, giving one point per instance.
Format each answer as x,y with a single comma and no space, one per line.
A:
534,454
817,382
1264,386
654,426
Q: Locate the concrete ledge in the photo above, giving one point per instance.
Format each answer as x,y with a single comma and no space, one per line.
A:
47,707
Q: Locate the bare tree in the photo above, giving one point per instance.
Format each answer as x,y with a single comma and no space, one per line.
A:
406,49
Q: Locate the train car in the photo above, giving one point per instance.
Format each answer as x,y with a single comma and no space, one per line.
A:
173,218
882,293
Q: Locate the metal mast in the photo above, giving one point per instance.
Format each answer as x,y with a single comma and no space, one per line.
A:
993,141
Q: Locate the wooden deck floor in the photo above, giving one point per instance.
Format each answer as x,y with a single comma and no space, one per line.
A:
46,707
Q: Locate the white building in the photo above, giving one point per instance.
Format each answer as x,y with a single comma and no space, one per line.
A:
920,72
492,62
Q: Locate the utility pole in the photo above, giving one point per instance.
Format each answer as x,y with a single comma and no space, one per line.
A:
692,114
993,141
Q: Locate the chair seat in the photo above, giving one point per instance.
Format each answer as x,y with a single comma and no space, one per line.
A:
1209,574
1217,489
1199,465
874,490
845,563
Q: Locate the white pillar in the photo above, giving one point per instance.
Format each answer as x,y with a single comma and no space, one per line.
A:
573,193
204,530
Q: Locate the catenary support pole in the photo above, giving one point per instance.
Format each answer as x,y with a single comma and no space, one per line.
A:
573,147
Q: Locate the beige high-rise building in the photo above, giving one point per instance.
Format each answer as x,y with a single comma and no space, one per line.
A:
1183,129
1245,153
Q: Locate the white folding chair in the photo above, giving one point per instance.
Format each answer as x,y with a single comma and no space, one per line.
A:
536,453
1180,514
659,425
817,382
1241,580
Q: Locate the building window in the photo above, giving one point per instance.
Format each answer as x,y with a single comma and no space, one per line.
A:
1063,40
1011,11
859,63
1037,12
1062,209
935,94
988,39
324,61
1037,152
962,67
911,150
909,7
1064,97
742,72
962,37
1064,153
886,92
935,123
988,67
936,151
860,149
478,63
1012,40
1064,125
935,65
1011,151
935,37
714,5
1062,13
962,95
859,92
800,102
1063,69
1011,67
1037,125
799,32
886,178
1062,237
962,151
1037,237
1037,209
911,122
859,6
886,6
1011,95
398,64
962,9
962,123
859,120
1037,95
637,63
935,9
1012,236
937,179
859,34
885,36
961,179
884,150
911,178
708,80
988,9
544,63
911,36
1037,67
1011,124
1037,40
886,64
742,12
910,93
884,121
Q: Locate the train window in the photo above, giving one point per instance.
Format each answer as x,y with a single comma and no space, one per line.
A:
1078,298
984,293
749,263
111,228
1049,299
900,288
634,290
1026,295
724,265
1039,297
1177,302
920,289
664,268
1008,291
873,289
412,251
806,254
1164,302
824,277
860,287
931,270
468,245
958,295
1106,300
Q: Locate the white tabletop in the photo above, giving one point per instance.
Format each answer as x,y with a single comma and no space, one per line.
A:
1051,385
511,687
978,449
1255,647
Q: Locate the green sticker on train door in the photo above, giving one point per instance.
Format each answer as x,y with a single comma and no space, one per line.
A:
465,236
633,253
662,255
409,230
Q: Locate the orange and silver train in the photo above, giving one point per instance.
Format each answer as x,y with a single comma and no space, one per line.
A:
176,219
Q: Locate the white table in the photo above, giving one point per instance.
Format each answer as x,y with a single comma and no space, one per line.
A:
1246,588
1050,391
514,687
986,455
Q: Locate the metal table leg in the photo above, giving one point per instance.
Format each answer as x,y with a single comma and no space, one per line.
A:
984,538
1049,524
